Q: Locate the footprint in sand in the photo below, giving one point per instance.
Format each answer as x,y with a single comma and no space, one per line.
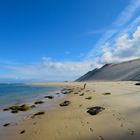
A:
131,132
82,123
91,130
121,125
101,138
34,123
121,118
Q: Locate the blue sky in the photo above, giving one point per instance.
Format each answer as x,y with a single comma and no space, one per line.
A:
56,40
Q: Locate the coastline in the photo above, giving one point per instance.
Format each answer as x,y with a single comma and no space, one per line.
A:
119,120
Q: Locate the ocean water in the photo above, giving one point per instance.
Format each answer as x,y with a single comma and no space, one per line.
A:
21,93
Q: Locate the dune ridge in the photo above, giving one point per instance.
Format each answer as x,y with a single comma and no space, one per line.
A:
125,71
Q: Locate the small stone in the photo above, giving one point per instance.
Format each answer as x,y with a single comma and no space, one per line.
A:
7,124
137,84
22,132
39,102
65,103
32,106
107,93
38,113
89,98
14,111
24,107
6,109
81,94
49,97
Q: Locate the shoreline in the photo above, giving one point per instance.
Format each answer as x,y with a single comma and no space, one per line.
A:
119,120
8,117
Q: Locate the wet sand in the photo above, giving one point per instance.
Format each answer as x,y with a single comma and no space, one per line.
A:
120,120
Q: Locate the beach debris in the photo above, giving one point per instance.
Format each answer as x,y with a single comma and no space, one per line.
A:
57,93
7,124
89,98
137,84
38,114
65,103
107,93
39,102
49,97
22,132
82,94
95,110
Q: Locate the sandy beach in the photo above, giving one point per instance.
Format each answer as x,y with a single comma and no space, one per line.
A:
118,121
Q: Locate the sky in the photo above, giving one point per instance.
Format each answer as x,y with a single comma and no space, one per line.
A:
60,40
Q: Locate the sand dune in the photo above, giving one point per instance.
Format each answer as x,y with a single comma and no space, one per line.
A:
125,71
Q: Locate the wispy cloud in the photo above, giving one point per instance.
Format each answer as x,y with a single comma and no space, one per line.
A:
49,70
128,13
125,22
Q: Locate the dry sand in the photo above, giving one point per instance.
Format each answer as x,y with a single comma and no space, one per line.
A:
120,120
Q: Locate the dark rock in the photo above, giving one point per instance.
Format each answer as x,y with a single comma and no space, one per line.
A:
57,93
107,93
7,124
76,93
6,109
66,91
38,113
39,102
65,103
89,98
17,108
14,111
81,94
138,84
95,110
22,132
49,97
24,107
32,106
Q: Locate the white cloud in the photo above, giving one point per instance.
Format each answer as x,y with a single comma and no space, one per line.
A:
125,47
49,70
124,23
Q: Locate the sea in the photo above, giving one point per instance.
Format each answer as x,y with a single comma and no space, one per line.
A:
11,94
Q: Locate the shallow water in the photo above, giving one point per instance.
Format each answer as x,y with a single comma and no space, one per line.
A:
11,94
20,93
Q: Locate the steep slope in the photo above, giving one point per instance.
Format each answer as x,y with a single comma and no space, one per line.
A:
124,71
